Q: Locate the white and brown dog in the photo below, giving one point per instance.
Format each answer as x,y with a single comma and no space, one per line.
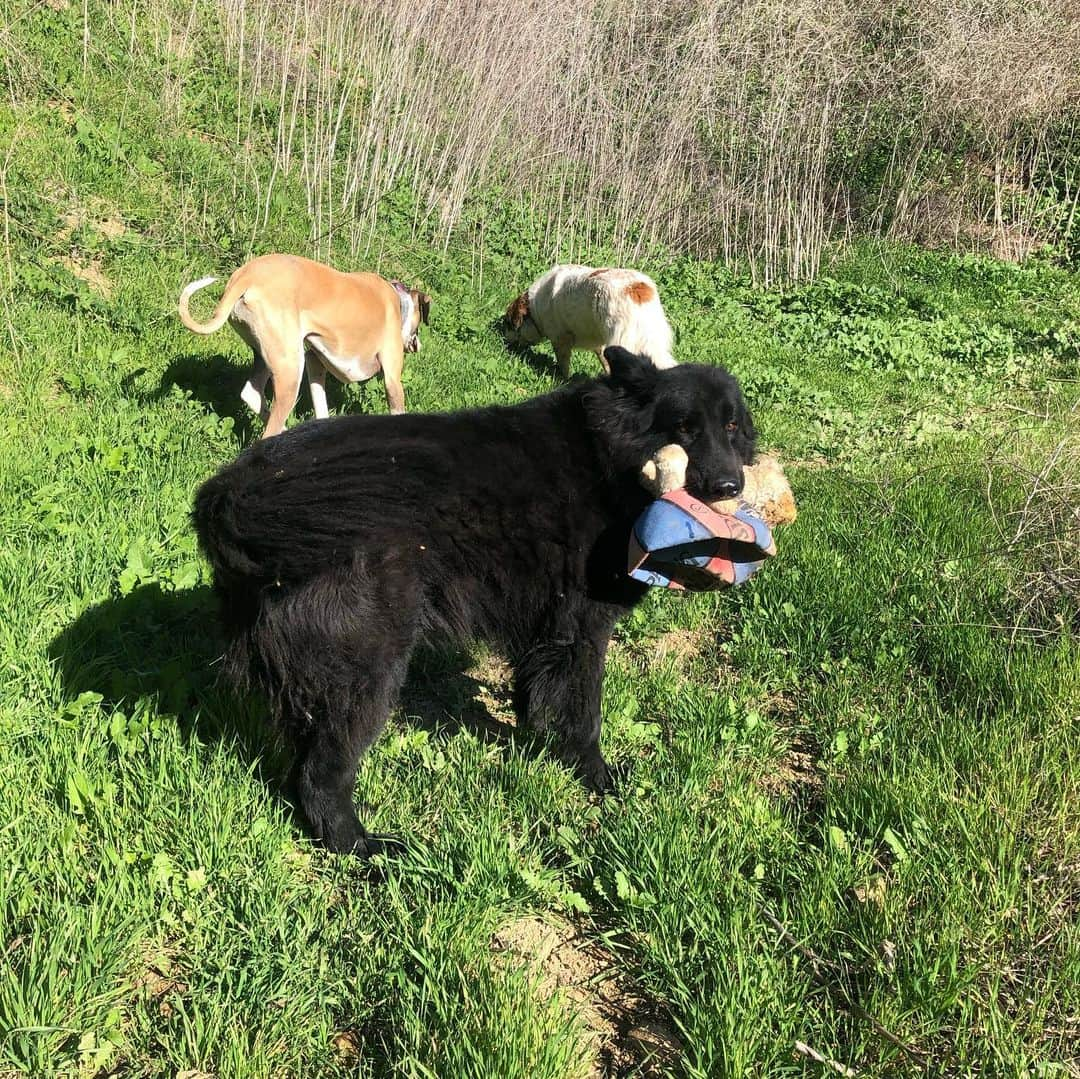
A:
293,312
579,307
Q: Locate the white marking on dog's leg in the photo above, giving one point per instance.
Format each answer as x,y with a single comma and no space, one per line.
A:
254,392
316,374
252,397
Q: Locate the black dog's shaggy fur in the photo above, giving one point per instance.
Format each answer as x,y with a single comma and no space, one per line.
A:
340,545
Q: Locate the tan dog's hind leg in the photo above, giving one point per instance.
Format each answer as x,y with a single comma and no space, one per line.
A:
287,373
603,362
395,395
254,392
316,376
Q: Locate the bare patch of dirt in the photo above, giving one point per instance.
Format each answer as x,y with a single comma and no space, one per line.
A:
347,1045
494,687
156,982
90,272
477,697
872,891
625,1032
680,644
63,107
68,224
112,228
796,772
100,217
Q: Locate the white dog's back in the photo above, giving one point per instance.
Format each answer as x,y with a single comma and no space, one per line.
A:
599,307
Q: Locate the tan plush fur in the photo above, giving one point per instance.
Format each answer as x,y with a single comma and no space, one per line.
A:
294,313
765,487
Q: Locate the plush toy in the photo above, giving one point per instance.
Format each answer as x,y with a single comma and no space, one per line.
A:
766,490
682,543
665,470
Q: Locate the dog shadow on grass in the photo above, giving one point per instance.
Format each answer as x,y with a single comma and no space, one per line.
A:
543,363
165,648
156,646
216,380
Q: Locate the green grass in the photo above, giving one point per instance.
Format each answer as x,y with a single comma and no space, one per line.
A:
850,744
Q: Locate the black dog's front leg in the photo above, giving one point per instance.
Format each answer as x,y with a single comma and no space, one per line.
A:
557,688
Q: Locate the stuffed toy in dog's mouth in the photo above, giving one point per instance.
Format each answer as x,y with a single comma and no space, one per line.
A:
679,542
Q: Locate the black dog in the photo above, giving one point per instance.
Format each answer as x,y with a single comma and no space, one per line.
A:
340,545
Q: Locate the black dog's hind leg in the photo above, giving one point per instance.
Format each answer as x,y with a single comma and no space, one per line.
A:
557,687
328,755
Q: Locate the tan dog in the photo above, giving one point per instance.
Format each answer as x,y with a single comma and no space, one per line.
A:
293,312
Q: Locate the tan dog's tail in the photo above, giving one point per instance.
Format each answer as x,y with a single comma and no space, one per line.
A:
221,312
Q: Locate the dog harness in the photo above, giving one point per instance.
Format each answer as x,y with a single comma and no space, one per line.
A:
406,301
679,542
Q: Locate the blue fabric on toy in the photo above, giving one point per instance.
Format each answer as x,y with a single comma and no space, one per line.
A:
679,542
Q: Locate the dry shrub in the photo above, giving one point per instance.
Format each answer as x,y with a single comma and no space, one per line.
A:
983,95
752,130
703,126
1043,530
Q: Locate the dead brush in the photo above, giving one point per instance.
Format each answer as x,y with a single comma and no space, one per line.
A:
713,127
738,129
1042,533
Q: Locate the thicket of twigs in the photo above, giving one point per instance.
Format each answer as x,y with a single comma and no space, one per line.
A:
755,130
1044,529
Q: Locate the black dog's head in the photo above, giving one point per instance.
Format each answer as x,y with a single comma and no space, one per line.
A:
638,409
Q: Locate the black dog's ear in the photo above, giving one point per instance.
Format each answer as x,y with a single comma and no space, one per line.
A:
635,373
745,439
425,307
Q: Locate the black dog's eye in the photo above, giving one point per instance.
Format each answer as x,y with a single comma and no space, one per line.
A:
733,426
685,430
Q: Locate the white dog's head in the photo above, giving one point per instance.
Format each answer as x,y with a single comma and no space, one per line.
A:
518,328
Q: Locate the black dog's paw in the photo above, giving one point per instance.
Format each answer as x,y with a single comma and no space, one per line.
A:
594,773
375,856
371,846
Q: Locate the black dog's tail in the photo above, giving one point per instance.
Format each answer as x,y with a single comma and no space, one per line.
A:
224,539
273,519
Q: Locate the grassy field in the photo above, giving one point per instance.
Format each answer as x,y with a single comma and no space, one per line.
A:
849,836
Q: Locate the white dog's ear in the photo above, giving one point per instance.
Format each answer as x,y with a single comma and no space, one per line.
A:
518,310
635,372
